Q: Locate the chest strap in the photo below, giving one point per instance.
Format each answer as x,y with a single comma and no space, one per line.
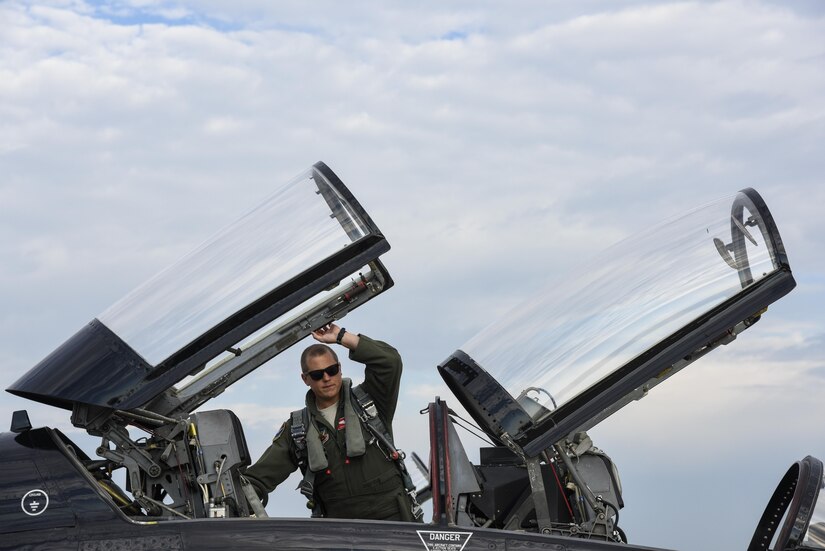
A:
299,420
368,414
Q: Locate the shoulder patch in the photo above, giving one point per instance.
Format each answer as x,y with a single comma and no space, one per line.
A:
280,432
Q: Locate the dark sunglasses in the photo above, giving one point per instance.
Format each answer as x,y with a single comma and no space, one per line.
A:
318,374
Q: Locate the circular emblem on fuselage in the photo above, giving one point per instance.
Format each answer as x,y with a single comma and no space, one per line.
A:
34,502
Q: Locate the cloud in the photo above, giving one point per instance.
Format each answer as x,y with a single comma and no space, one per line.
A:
494,152
426,391
256,415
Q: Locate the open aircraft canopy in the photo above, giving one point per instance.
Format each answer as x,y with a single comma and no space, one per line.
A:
645,308
304,257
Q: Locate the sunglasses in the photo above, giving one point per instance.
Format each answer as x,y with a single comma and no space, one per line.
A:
318,374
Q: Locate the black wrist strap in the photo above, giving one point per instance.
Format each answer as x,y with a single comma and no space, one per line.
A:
340,336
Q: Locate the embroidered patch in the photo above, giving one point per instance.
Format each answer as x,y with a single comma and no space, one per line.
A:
280,432
342,423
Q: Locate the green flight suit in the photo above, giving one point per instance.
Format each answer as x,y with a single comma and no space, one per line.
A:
366,487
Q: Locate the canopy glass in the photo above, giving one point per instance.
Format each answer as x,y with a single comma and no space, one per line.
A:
307,255
276,241
621,310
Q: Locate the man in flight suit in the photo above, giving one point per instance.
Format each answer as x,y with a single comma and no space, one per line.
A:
352,476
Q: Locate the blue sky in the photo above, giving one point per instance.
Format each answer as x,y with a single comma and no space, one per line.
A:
494,150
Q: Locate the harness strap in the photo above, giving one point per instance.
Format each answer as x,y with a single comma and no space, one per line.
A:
298,432
368,414
253,499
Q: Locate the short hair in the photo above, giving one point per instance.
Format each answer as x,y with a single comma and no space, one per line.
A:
314,351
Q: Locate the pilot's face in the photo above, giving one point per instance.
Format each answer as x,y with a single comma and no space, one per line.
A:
327,388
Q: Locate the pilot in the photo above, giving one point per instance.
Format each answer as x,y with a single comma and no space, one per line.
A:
342,439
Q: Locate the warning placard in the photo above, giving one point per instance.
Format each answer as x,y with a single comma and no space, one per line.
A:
434,540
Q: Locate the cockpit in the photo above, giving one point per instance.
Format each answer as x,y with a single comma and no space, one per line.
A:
540,377
306,256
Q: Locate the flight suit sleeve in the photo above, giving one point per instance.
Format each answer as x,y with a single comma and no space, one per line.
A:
275,465
382,375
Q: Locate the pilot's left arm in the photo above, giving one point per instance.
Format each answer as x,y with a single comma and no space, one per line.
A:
275,465
382,374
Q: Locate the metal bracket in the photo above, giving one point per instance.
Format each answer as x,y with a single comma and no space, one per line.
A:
537,489
125,447
539,494
600,524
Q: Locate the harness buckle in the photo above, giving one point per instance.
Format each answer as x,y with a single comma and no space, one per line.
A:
415,507
306,488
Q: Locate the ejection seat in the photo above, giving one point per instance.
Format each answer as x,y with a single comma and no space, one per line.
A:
509,491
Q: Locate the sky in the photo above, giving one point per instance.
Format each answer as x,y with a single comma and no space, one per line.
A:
497,145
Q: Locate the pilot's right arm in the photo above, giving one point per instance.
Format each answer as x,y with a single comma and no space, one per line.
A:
275,465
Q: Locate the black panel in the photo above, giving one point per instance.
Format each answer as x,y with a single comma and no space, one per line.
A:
492,407
57,458
507,487
93,367
79,513
20,421
25,474
504,487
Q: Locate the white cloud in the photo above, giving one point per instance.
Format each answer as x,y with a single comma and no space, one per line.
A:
425,391
224,125
494,151
257,415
